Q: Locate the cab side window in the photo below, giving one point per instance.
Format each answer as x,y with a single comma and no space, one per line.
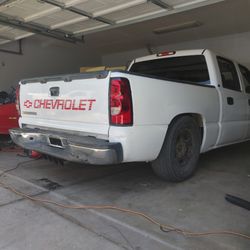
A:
246,77
229,76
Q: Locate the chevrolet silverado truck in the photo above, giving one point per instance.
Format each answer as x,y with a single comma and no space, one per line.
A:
165,109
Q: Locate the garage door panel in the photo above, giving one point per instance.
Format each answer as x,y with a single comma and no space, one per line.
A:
59,19
27,10
179,3
135,12
3,41
68,3
3,27
98,8
83,26
14,34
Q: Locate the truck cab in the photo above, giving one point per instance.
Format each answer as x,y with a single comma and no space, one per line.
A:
231,79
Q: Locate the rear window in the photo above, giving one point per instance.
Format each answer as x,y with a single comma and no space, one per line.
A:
184,69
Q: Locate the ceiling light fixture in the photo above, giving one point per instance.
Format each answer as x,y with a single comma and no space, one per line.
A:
177,27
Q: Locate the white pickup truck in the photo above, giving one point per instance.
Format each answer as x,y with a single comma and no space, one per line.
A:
165,109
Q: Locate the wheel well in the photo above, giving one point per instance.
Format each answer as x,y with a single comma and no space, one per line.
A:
197,117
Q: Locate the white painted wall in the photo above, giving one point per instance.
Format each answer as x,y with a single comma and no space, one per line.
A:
41,57
236,46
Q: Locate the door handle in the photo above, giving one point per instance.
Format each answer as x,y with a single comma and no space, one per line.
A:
230,101
249,102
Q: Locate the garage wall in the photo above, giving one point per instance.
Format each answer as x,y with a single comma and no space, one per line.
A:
43,57
235,46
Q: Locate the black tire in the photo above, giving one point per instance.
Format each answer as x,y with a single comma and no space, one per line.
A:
180,152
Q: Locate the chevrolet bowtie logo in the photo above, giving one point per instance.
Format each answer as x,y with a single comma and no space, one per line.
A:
28,104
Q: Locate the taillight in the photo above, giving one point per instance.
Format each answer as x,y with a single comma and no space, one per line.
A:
18,100
121,112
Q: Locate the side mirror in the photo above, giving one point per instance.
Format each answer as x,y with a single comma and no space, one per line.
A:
248,89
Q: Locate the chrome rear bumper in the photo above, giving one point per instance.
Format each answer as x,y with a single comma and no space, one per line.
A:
70,147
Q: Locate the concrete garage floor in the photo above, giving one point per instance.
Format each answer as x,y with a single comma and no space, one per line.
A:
197,204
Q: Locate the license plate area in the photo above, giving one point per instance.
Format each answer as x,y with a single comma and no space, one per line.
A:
55,142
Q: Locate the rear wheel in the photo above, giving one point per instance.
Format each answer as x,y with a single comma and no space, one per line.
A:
179,155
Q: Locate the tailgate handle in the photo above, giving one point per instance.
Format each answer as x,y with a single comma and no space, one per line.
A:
54,91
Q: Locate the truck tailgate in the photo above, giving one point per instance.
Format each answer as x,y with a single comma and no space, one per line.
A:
74,102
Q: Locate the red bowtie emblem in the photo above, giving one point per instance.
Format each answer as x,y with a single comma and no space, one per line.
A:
28,104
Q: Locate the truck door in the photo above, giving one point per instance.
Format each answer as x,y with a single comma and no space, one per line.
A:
245,75
234,109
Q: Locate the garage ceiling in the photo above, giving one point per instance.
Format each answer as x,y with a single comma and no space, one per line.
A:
69,20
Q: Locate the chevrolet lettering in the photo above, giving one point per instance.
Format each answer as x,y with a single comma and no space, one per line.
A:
63,104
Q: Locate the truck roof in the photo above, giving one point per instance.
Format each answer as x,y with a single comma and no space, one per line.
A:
170,53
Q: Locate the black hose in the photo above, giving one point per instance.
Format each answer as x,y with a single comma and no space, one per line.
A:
238,201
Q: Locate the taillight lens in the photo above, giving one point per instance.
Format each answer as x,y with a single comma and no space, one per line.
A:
18,100
121,112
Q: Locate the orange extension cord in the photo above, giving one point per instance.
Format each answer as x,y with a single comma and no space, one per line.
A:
163,227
